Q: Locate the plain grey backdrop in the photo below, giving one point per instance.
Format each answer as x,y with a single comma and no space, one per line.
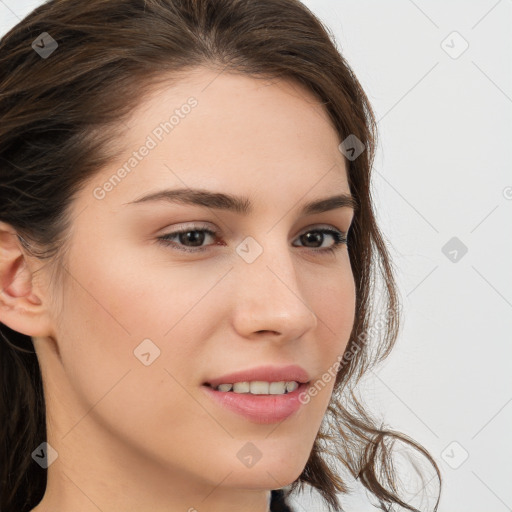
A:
439,77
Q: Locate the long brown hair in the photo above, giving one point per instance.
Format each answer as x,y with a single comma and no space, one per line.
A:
52,109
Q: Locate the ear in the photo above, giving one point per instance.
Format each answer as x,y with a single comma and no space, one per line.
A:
22,306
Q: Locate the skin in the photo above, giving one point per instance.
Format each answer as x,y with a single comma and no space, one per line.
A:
145,438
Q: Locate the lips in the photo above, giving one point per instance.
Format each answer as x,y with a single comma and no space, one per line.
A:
260,409
263,373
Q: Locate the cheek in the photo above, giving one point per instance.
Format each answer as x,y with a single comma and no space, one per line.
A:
334,304
104,320
113,304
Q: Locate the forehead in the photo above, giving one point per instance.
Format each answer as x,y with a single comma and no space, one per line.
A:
230,109
211,130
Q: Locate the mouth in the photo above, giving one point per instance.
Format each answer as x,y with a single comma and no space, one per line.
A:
259,401
268,379
257,387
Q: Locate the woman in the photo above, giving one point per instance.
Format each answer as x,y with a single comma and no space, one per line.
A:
189,259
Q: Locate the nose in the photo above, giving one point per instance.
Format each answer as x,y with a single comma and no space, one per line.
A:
269,299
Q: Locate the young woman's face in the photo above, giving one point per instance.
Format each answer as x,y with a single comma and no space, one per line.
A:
143,324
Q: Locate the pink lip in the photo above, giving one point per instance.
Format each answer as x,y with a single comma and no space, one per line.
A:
259,408
264,373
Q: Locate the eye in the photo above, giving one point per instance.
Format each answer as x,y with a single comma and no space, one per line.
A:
194,235
318,235
191,239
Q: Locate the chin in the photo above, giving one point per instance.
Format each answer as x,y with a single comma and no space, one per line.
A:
265,476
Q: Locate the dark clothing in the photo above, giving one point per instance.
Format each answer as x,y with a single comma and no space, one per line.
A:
278,503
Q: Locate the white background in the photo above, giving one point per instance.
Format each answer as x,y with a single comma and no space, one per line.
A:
443,170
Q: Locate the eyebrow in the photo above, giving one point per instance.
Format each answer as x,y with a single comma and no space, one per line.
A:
241,205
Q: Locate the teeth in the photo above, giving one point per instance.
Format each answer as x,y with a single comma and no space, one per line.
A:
241,387
277,388
291,386
259,387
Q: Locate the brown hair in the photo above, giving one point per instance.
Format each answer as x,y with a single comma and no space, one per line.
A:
109,52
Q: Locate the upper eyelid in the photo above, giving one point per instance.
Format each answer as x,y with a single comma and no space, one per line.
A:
340,237
338,234
216,231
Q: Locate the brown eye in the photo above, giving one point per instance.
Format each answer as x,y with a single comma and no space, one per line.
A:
192,239
189,237
315,236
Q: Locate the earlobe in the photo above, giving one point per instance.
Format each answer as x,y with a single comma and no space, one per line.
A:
21,307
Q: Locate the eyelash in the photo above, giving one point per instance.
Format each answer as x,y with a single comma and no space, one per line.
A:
340,238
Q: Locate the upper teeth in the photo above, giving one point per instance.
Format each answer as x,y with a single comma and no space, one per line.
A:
259,387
